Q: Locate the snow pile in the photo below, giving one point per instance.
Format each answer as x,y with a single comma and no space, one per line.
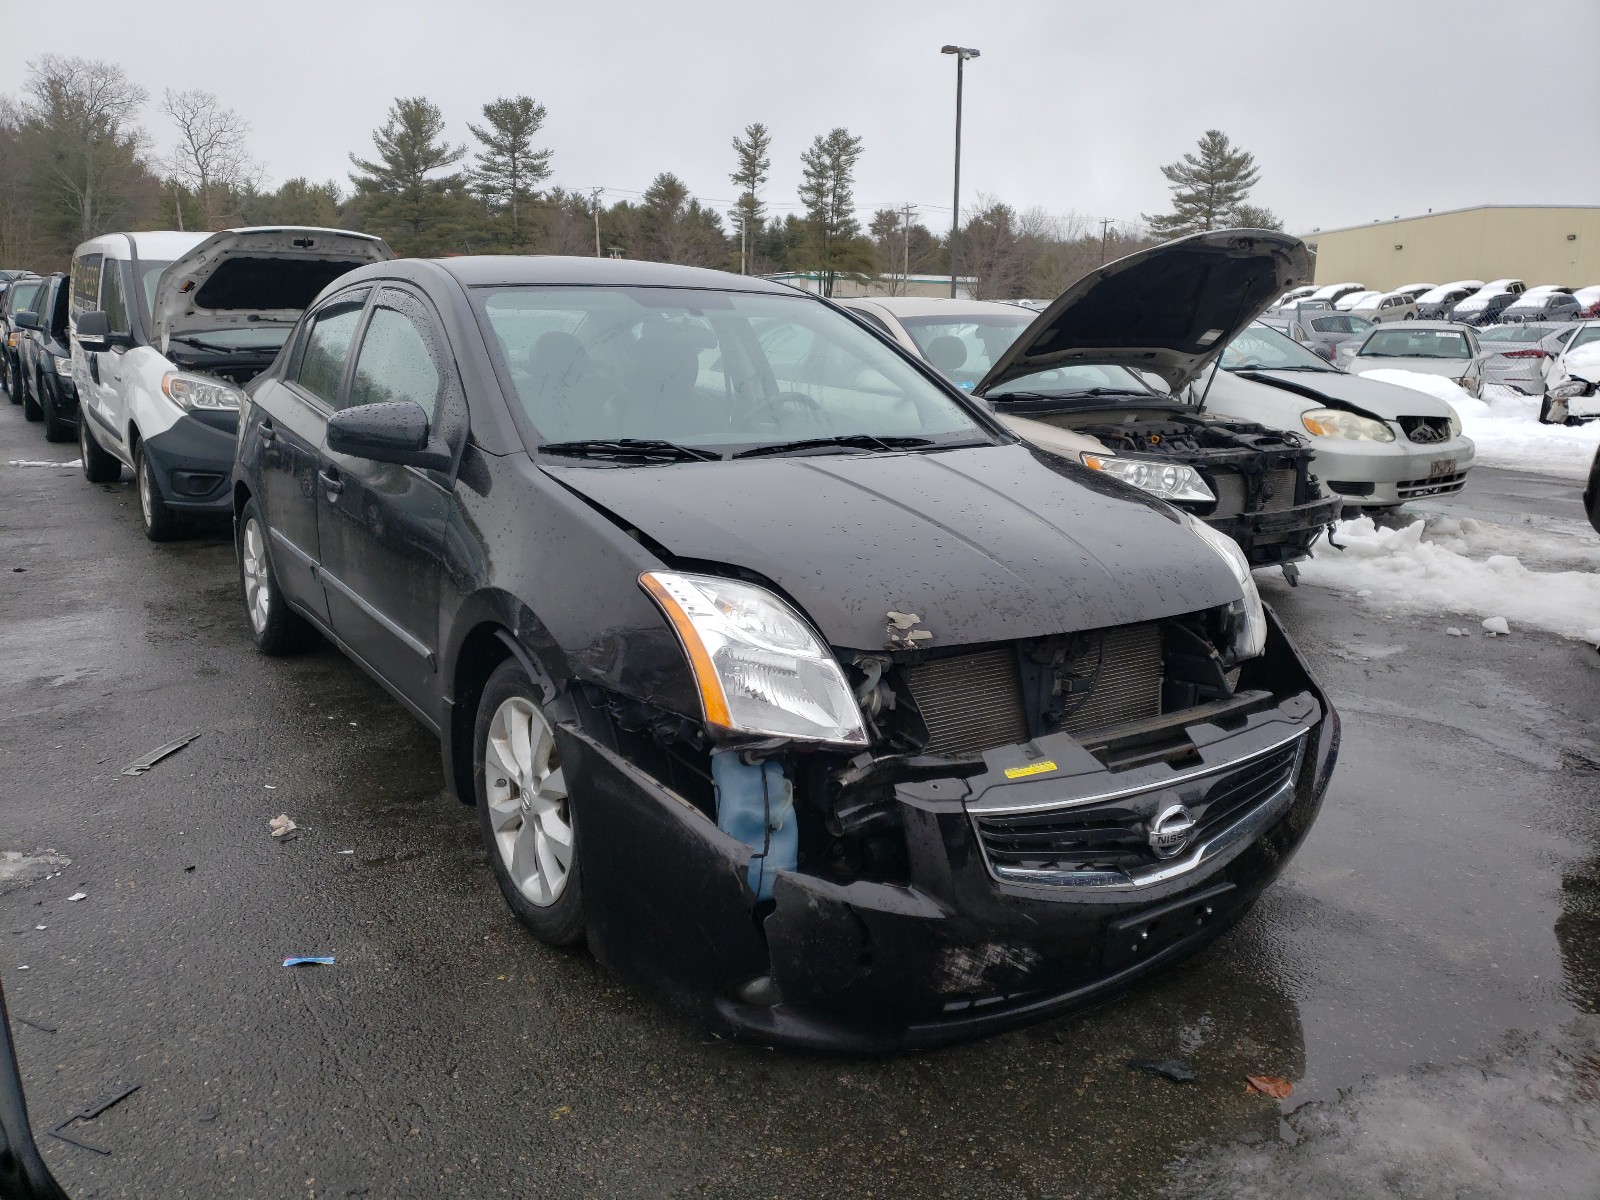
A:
1427,567
1505,427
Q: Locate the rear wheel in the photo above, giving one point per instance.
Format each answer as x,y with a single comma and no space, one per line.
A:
275,628
160,522
98,465
523,809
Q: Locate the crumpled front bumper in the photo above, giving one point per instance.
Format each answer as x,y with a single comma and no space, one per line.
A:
1286,535
957,951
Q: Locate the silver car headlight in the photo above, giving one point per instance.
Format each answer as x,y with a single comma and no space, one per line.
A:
63,364
1169,481
759,666
1248,624
201,391
1337,423
1573,387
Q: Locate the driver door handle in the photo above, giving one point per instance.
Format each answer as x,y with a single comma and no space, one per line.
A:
266,429
331,480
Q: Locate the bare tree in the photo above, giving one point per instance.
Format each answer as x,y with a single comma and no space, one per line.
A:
85,150
210,158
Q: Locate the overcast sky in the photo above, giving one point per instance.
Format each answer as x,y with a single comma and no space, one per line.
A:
1354,111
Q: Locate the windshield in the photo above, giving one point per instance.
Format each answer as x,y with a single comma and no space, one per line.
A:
150,271
1076,380
1259,348
963,348
707,369
21,295
1415,343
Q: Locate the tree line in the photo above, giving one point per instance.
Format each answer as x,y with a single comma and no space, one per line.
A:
75,161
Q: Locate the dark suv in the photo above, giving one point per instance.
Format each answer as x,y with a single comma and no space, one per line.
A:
19,297
821,702
44,361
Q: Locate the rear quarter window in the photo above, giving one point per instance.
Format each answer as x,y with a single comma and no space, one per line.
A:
86,283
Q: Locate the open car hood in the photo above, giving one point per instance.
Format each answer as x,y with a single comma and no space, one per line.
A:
247,278
1168,310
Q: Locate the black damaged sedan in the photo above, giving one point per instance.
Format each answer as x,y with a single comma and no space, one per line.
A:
777,669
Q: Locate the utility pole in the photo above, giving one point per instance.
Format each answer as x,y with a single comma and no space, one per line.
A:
177,203
962,53
594,201
906,214
1105,225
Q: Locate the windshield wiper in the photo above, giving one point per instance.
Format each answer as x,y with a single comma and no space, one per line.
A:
199,344
645,448
1075,392
849,441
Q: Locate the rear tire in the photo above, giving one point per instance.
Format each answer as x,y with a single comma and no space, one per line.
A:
523,809
160,522
276,629
99,466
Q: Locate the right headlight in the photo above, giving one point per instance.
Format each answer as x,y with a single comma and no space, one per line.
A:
759,666
1573,387
1337,423
200,391
1169,481
1247,625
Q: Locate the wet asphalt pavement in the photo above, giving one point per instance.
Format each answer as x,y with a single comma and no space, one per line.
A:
1421,972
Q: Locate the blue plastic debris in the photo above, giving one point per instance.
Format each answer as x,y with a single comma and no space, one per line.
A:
308,960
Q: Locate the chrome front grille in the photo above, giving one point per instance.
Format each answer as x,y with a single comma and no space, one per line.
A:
974,702
1439,485
1107,843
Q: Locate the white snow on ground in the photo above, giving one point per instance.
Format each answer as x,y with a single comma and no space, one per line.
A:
1505,427
1443,565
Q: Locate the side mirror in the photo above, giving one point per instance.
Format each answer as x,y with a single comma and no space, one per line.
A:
93,332
26,320
392,432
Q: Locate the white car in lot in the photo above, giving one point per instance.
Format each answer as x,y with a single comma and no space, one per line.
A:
1441,348
166,329
1381,307
1572,379
1378,445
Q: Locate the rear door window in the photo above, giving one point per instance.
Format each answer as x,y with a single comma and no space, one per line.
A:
325,349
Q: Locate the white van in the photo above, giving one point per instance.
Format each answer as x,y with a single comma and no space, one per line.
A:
166,330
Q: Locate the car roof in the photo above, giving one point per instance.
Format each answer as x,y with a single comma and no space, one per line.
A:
156,244
489,270
938,306
1408,326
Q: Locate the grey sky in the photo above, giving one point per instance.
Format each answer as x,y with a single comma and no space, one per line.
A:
1354,111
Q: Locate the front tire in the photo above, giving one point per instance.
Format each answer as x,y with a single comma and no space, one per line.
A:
55,429
99,466
160,522
30,401
523,808
275,628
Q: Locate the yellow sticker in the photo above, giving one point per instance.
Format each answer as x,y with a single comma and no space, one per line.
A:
1038,768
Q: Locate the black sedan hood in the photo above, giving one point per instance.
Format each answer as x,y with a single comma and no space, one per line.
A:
983,544
1169,310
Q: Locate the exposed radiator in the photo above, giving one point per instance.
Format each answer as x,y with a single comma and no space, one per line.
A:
973,702
1232,495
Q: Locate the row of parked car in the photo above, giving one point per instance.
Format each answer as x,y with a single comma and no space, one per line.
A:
1467,301
863,675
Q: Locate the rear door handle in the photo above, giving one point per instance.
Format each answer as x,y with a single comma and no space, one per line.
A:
331,481
266,429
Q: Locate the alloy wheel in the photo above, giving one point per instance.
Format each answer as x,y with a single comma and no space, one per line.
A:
253,559
527,800
146,503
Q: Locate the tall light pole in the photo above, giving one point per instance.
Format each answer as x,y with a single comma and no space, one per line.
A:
962,53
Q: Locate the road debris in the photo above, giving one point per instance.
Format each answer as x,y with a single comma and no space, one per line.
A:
78,896
281,825
1496,626
1167,1068
307,960
90,1112
39,1025
140,765
1269,1085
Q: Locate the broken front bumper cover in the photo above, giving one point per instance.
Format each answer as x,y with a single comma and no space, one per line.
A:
1286,535
968,946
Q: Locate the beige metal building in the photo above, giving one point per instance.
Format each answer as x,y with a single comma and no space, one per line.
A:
1541,243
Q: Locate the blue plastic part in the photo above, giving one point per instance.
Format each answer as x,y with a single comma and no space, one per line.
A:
755,803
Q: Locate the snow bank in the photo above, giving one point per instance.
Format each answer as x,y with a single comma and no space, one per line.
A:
1428,567
1505,427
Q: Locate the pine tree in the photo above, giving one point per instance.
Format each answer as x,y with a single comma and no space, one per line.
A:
834,245
1208,189
509,170
749,212
401,197
672,226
